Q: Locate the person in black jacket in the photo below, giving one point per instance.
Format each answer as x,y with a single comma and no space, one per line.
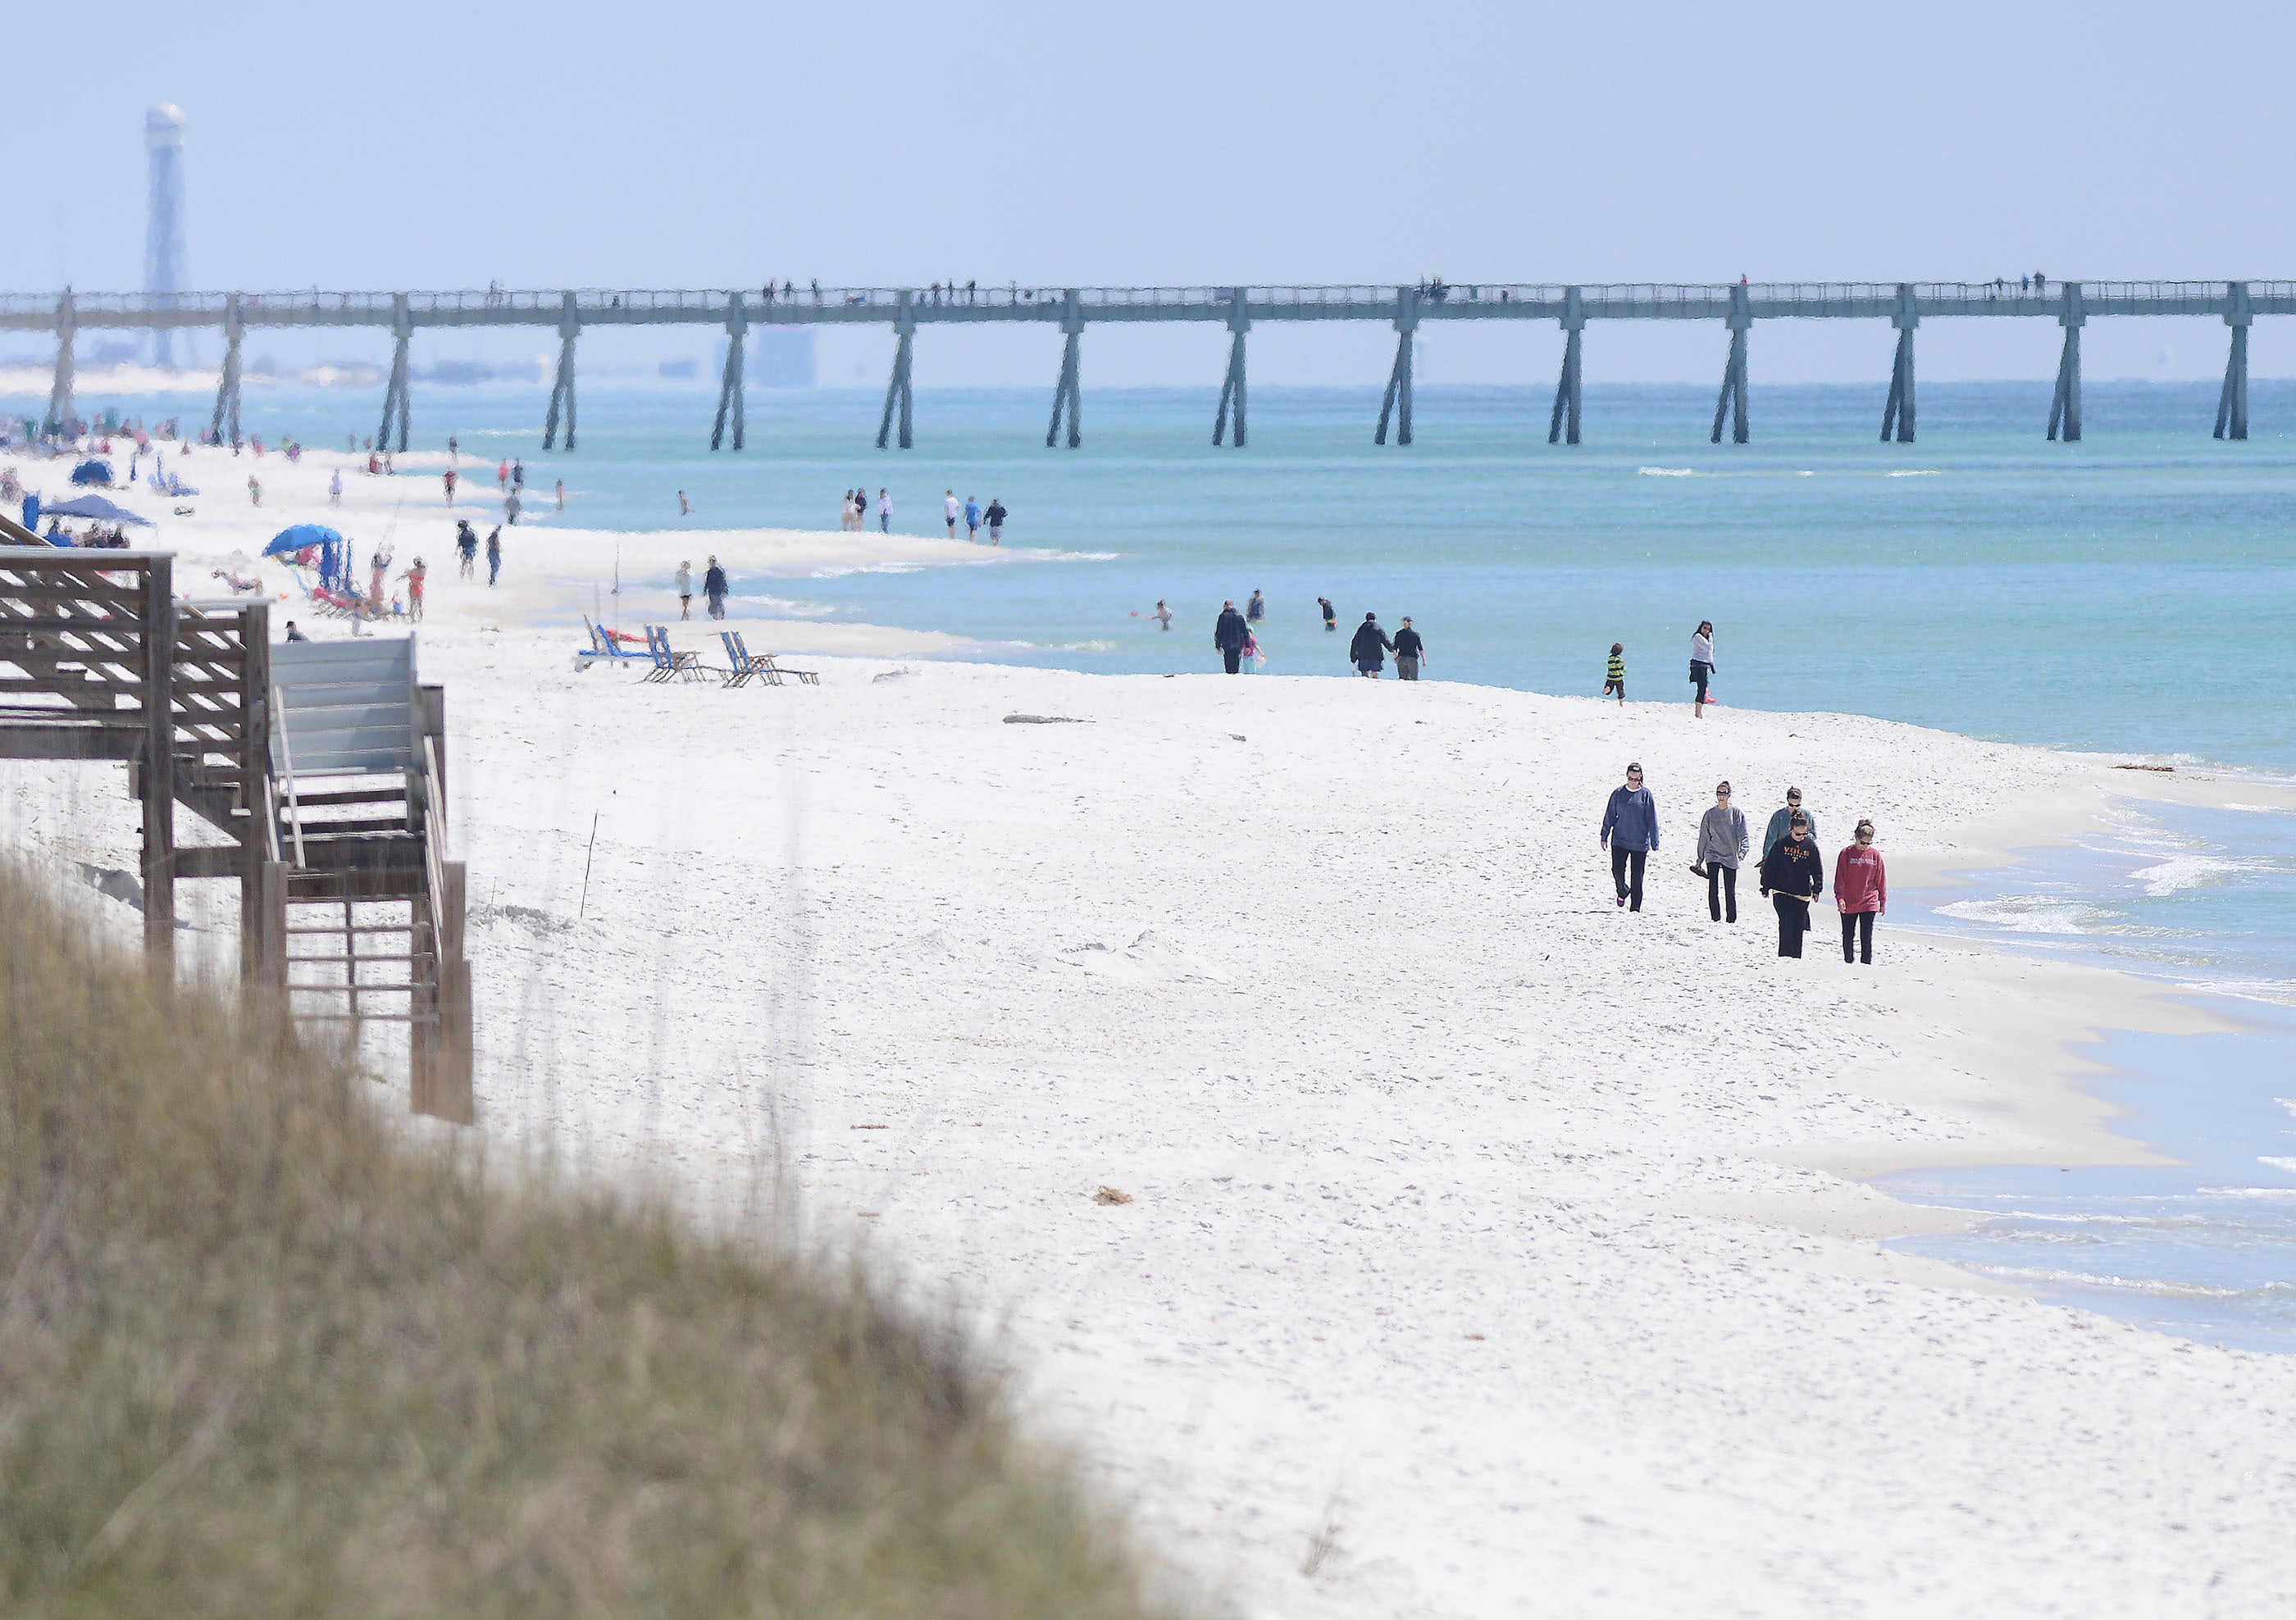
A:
1229,635
714,586
1369,649
1793,874
1410,651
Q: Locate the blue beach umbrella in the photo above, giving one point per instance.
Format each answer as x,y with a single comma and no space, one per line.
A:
333,568
95,474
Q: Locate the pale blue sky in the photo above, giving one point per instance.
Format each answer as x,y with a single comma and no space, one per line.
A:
710,144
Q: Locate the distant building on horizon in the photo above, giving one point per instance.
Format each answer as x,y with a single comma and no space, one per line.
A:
163,234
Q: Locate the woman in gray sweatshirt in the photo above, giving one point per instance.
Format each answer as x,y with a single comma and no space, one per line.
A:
1722,844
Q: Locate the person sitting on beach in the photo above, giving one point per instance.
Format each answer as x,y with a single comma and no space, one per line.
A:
1793,874
1617,680
1782,820
1368,650
1861,893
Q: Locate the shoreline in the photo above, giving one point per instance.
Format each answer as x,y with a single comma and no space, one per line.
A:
1456,1194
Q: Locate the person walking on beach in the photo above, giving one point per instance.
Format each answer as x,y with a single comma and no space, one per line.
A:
686,590
1631,833
885,512
1615,677
714,587
971,521
845,514
518,475
1722,843
1331,614
1782,821
415,578
448,477
950,510
1793,874
1861,893
1410,651
1256,609
254,490
511,506
1229,635
335,489
1701,665
494,554
1254,659
995,515
466,543
1368,650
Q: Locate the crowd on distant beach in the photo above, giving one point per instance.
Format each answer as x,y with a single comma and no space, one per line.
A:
853,515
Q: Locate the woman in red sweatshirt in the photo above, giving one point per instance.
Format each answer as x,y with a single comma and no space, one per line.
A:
1861,892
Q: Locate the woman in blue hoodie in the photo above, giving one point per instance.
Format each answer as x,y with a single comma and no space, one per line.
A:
1631,833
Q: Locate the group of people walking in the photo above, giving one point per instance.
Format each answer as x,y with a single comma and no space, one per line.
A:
854,515
1792,871
1237,635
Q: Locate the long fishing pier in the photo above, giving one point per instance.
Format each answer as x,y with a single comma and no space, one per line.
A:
1735,306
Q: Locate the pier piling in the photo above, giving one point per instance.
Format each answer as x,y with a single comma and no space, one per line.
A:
394,394
2232,403
1066,392
60,394
896,390
562,385
2065,405
730,389
224,428
1564,422
1239,322
1397,401
1732,401
1899,413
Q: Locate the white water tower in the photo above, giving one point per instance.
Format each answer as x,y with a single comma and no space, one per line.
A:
163,238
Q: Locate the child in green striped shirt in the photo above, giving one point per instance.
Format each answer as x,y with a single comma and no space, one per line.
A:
1618,681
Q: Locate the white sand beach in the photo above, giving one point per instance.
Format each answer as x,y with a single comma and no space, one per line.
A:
1489,1251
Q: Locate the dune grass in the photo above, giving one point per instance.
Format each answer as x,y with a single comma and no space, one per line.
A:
259,1357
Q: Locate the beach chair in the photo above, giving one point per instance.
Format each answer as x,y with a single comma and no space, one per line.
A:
764,664
742,668
605,650
669,664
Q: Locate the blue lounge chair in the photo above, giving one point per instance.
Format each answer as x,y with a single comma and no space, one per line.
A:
669,664
762,664
605,650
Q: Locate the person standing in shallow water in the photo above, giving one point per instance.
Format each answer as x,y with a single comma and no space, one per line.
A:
1331,614
1631,833
1722,843
1615,673
1861,893
1256,609
1793,874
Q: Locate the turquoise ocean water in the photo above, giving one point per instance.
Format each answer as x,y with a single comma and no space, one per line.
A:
2134,592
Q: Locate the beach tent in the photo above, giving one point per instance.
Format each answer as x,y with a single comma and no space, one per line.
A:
95,506
97,473
334,556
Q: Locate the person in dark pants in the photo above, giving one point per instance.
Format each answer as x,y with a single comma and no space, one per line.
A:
1793,874
1861,893
1723,842
1410,652
494,555
714,586
1631,833
1229,635
1369,649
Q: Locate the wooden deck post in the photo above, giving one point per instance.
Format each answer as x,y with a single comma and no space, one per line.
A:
156,778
